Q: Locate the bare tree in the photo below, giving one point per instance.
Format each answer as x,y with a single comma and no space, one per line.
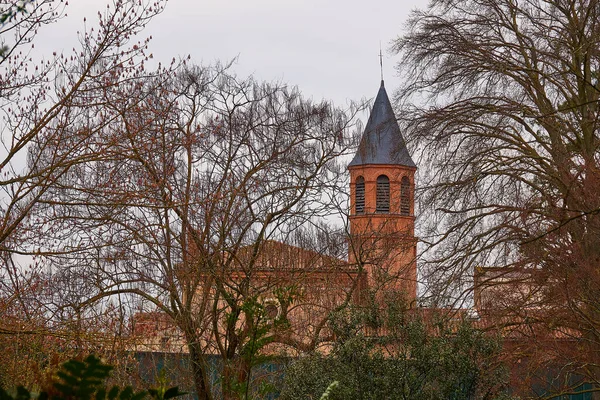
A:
203,176
43,97
501,100
40,99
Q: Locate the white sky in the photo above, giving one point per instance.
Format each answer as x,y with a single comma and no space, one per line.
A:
328,48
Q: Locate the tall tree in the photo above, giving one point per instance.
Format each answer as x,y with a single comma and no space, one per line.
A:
42,97
200,172
501,99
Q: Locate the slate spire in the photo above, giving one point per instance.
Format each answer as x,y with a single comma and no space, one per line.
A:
382,142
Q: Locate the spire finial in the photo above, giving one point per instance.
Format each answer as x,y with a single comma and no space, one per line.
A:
381,62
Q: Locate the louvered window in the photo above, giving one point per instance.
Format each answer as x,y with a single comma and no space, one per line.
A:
359,199
405,196
383,194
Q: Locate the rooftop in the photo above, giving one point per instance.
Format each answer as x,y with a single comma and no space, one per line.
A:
382,141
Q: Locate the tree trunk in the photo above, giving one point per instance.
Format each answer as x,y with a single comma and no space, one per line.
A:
236,372
199,369
229,392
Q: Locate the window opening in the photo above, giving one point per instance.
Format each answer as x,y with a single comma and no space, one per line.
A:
359,199
383,194
405,196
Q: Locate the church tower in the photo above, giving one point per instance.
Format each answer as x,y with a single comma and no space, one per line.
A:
382,204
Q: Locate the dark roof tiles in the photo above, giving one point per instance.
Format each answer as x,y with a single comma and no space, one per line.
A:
382,142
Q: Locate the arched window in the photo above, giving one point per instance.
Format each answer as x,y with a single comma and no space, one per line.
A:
359,195
405,196
383,194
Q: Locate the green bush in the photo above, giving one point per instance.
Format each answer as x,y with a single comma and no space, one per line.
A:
410,358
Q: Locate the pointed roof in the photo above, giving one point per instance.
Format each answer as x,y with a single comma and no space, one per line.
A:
382,142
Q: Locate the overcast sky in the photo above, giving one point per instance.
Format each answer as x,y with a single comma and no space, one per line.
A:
328,48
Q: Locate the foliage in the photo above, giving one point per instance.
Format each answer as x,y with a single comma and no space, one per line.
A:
329,389
10,12
413,359
84,380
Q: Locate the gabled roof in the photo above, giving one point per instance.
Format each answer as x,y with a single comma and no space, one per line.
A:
279,256
382,142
